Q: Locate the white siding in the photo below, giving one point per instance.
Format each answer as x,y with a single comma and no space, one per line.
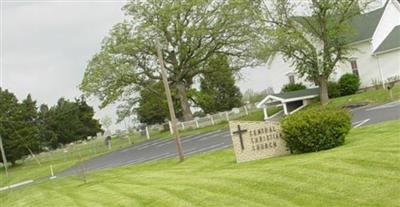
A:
390,19
389,63
367,65
277,72
368,68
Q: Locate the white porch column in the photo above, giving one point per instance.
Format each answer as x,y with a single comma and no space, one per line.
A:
265,112
245,110
285,108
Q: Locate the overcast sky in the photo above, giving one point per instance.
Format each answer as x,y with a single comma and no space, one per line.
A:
45,46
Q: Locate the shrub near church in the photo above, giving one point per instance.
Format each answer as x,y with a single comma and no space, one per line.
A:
315,130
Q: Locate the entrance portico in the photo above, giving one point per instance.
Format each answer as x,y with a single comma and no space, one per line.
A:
290,101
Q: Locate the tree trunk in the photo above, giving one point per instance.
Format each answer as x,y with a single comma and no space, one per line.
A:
323,91
186,112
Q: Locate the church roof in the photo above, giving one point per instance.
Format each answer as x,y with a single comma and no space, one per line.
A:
298,94
290,96
392,41
364,25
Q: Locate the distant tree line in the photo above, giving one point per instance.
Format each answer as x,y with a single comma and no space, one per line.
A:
28,129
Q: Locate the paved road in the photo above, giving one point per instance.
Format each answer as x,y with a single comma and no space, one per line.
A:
376,114
155,150
162,149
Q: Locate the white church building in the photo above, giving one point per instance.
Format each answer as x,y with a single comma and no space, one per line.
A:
376,56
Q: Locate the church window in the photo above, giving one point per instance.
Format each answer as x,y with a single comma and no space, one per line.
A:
354,67
291,77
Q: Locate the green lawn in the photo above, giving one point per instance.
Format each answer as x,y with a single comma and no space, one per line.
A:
363,172
61,160
371,96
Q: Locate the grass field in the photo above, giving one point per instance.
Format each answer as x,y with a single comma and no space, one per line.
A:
363,172
60,159
64,158
371,96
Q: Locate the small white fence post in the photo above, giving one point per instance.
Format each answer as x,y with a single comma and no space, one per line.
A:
212,119
52,172
197,123
227,116
170,127
246,111
147,133
183,126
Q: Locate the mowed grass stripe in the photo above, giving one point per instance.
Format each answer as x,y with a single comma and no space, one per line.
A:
203,195
231,194
147,194
299,188
363,172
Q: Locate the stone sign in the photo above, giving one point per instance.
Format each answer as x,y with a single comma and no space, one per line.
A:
256,140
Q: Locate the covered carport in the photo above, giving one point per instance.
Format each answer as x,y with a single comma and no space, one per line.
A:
291,101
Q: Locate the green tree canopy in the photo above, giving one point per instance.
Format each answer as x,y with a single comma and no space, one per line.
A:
18,126
190,32
218,91
26,130
72,121
9,115
48,138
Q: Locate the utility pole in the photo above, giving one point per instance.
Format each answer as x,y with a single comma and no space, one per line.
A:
170,104
3,155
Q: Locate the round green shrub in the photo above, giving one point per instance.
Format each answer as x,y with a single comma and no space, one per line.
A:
349,84
315,130
292,87
333,89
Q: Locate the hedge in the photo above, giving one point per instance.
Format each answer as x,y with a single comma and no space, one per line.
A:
349,84
316,129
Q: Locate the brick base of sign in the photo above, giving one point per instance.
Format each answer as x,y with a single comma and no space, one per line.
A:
257,140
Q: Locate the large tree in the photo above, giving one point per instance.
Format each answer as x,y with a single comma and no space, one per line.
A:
190,32
218,91
18,126
8,116
47,136
72,121
313,35
27,126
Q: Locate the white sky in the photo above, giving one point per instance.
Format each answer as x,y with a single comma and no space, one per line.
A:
45,46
